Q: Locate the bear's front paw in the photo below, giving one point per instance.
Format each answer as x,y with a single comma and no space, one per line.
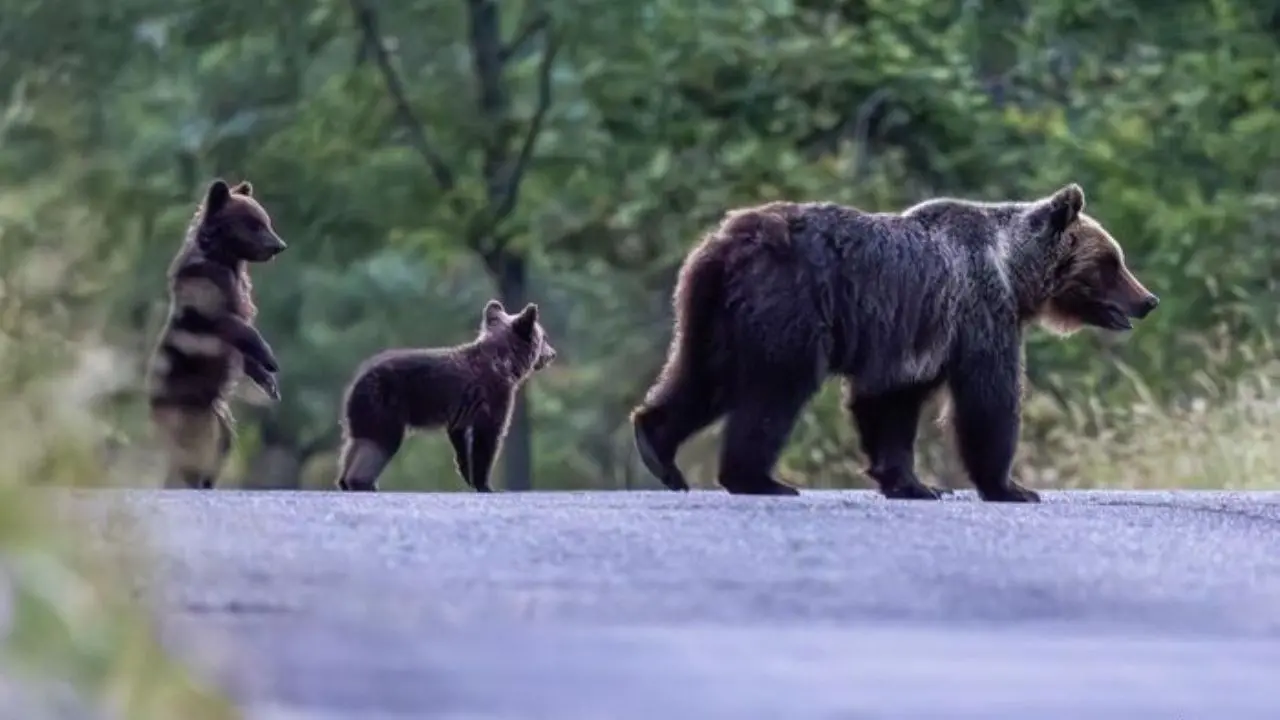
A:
271,387
1012,492
762,485
913,490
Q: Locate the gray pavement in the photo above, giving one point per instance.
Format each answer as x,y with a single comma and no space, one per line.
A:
642,605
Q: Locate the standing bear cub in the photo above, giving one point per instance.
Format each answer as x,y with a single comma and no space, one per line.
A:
467,389
900,305
208,343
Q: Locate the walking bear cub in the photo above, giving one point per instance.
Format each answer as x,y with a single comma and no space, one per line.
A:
208,342
467,389
900,305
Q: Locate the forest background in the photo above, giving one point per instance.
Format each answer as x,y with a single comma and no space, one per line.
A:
422,157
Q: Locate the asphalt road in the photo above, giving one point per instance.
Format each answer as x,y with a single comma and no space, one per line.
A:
636,606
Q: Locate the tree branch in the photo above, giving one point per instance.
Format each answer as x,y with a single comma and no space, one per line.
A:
511,189
367,20
523,36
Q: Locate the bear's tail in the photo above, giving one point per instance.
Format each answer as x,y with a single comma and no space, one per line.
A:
696,380
691,357
685,394
699,359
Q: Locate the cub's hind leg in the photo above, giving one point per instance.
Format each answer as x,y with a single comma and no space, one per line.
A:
196,443
364,459
372,434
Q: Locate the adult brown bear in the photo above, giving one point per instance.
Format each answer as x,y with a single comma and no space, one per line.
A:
780,296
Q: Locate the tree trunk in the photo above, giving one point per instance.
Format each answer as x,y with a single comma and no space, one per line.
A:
517,451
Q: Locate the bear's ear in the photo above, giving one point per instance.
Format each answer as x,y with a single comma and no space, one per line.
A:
1065,206
244,188
1059,210
524,322
493,312
1071,198
217,196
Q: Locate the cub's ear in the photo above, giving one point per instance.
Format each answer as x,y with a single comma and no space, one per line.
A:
493,312
524,322
217,196
1060,209
244,188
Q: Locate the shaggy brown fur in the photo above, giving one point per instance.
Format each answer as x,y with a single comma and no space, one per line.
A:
900,305
467,389
208,339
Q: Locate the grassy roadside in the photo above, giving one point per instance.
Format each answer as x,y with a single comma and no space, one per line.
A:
1222,437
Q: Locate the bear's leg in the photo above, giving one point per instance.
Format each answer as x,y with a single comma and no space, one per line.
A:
197,441
486,441
186,479
226,437
984,389
756,433
461,440
887,425
661,429
364,459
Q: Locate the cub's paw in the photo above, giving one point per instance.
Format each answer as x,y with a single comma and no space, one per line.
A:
271,387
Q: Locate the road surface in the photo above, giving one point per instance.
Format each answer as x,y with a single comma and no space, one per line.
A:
635,606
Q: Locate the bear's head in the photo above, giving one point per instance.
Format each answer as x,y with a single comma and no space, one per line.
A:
234,227
1088,282
521,332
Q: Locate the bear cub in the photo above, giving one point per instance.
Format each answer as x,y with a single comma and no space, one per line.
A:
208,341
468,389
900,305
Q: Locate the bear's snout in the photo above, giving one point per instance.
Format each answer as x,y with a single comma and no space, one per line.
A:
1134,298
545,357
274,245
1143,307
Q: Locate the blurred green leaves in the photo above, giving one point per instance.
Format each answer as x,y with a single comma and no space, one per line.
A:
664,115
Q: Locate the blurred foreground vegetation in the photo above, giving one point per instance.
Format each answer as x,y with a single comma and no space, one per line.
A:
76,641
421,157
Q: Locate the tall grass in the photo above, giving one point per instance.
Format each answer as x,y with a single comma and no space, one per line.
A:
71,632
1221,434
